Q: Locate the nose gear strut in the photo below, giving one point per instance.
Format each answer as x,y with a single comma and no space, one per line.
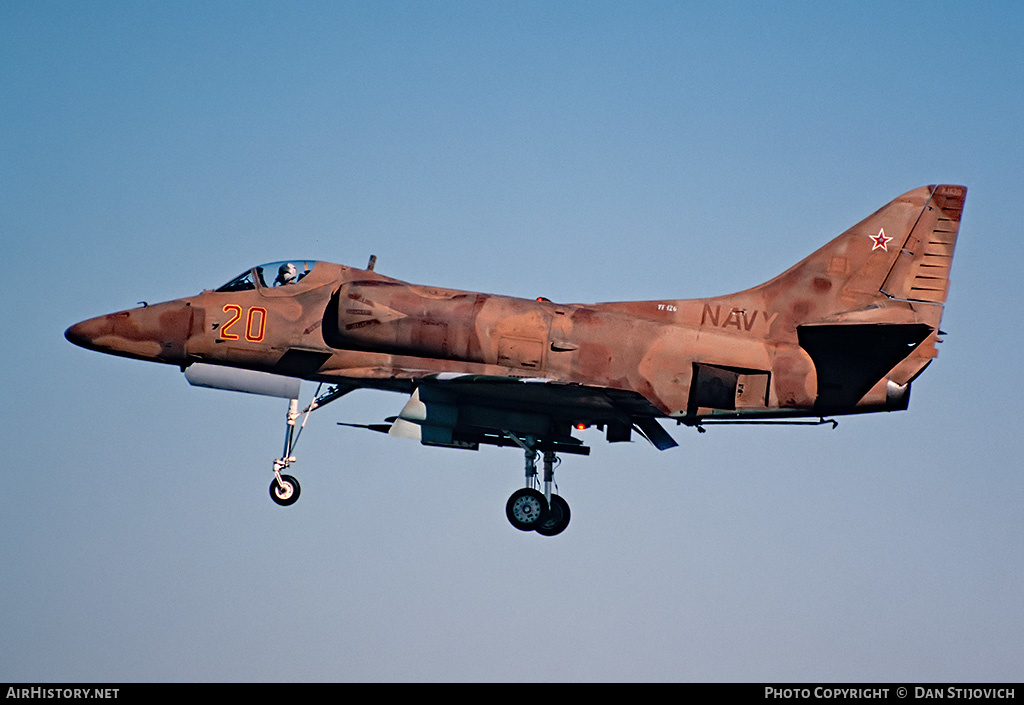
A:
284,489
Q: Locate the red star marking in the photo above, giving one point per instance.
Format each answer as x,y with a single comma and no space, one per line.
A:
880,240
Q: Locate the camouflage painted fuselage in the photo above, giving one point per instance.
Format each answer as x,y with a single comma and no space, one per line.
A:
844,331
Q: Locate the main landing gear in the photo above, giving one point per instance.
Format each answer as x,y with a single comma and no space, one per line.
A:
284,489
534,508
529,509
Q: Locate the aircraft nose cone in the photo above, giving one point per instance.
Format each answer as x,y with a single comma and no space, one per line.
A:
82,334
74,334
156,332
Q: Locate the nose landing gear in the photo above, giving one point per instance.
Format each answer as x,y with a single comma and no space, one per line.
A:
284,489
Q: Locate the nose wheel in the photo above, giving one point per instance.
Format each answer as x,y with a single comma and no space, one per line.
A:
285,491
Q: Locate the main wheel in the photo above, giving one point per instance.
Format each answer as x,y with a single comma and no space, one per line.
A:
285,493
555,519
525,508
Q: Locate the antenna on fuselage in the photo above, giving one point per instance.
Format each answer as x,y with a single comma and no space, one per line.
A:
373,262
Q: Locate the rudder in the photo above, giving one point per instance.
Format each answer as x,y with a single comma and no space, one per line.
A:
921,270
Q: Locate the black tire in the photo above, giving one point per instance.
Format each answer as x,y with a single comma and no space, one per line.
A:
555,520
525,508
287,494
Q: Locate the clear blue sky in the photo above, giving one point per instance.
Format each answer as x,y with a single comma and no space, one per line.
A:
583,151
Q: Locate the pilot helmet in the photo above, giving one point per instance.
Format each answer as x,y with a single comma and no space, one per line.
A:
286,274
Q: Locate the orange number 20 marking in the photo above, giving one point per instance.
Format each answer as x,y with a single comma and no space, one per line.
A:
258,335
237,310
255,323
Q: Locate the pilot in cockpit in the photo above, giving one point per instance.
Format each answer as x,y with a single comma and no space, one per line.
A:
287,274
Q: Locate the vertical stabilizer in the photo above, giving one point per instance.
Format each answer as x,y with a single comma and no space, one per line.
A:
865,307
921,270
900,253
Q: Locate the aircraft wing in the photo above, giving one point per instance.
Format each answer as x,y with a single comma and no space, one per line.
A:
466,410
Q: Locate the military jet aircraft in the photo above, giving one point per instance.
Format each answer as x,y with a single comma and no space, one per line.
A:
845,331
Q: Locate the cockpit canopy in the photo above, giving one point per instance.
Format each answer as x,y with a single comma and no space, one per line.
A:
266,276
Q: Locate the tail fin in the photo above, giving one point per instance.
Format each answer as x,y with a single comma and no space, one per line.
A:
867,306
921,269
900,253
